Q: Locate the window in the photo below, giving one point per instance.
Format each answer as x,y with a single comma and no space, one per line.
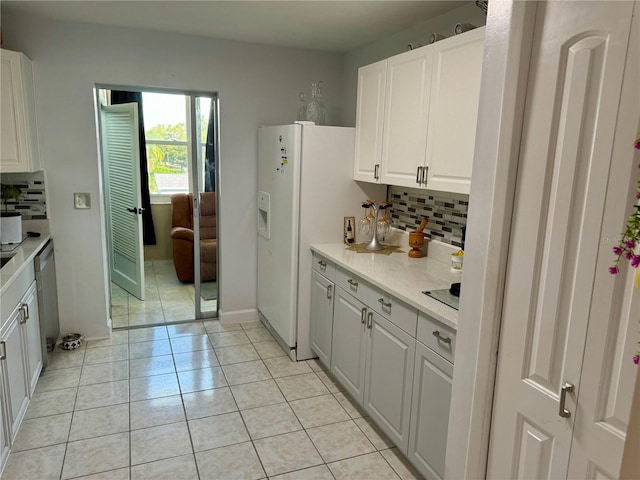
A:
167,124
167,141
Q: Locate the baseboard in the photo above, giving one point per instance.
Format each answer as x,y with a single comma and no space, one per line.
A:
238,316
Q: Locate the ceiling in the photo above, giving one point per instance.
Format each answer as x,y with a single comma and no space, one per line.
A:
329,25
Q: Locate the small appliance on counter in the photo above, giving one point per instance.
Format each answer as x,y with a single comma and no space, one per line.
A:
10,228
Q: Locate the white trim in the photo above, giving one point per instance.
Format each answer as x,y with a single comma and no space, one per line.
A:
238,316
509,31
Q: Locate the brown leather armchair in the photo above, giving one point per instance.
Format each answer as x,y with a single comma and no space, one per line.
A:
182,235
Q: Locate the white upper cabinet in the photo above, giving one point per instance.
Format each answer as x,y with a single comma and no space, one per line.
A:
18,137
453,111
405,120
369,121
417,115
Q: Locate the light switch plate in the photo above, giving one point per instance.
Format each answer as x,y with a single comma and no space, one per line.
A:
82,200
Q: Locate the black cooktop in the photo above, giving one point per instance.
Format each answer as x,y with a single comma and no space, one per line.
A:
444,296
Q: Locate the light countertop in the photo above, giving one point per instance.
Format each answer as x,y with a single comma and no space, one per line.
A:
22,258
399,275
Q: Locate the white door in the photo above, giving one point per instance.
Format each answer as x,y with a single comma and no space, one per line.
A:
560,248
121,159
369,120
405,120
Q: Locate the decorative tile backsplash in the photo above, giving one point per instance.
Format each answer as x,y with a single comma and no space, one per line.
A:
32,204
447,212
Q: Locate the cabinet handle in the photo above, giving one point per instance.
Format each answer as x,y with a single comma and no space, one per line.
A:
369,320
4,351
26,311
352,283
384,305
328,291
363,316
424,175
436,333
375,171
418,175
567,387
322,264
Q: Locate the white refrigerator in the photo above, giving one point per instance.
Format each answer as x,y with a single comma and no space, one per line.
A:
305,189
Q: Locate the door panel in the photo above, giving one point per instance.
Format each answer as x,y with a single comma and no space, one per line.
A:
565,159
322,293
389,377
348,348
121,157
406,113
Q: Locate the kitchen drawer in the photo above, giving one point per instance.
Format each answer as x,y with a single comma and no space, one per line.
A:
398,312
436,336
354,285
324,267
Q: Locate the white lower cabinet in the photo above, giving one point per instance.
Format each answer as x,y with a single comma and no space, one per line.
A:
15,371
348,348
389,378
322,292
395,362
430,412
20,355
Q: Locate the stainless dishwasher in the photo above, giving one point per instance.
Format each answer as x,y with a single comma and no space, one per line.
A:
45,266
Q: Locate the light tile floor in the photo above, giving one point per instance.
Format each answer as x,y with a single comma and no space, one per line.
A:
166,299
190,401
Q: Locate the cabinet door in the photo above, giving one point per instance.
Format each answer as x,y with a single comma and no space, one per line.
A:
322,291
348,348
4,432
18,143
14,372
453,111
405,120
369,122
31,333
430,412
389,376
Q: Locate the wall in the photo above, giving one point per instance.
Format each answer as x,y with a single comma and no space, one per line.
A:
32,204
397,43
447,212
256,85
163,249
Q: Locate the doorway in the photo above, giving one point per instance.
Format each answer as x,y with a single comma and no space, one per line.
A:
159,274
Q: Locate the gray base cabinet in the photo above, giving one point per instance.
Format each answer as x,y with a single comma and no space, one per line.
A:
349,345
389,378
395,362
322,292
430,412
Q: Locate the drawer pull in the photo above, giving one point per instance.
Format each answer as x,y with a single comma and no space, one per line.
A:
363,316
369,320
25,308
353,283
322,264
4,351
328,291
436,333
385,305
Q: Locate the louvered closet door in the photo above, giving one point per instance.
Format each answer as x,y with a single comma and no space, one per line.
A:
120,156
571,202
